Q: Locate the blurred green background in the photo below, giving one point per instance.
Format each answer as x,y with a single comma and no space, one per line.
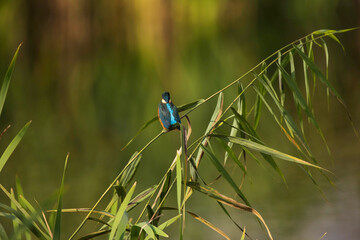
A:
90,73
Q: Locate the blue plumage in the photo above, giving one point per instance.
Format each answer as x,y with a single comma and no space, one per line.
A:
168,113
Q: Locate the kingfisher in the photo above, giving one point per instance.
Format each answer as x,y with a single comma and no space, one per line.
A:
168,113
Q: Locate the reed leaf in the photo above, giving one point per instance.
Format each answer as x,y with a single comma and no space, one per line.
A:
6,82
57,230
270,151
213,121
117,226
211,192
13,144
224,173
209,224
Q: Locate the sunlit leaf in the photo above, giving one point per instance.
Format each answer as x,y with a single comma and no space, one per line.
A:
243,235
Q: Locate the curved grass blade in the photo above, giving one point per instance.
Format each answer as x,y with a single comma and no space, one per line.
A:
331,34
113,204
3,234
129,173
19,189
178,179
293,130
6,82
83,210
306,80
209,224
191,105
270,151
25,204
105,224
151,230
10,149
23,215
241,106
121,227
26,220
140,197
178,187
148,123
281,85
28,207
257,111
168,222
211,192
231,218
58,213
121,212
16,222
213,121
326,51
165,186
136,233
184,161
243,235
224,173
302,103
318,73
298,97
94,234
232,155
35,214
254,137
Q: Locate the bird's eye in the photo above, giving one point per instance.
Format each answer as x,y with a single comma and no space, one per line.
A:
163,101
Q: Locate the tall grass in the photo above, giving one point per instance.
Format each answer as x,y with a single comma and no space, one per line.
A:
232,128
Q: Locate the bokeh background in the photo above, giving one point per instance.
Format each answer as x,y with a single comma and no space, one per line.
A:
90,73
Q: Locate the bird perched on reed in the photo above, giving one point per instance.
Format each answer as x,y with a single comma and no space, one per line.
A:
168,113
